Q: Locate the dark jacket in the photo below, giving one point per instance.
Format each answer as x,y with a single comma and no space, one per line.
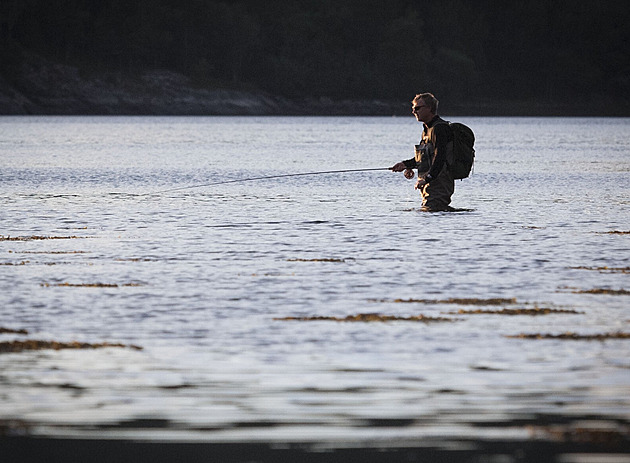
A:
431,153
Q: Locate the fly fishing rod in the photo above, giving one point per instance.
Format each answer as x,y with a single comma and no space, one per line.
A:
238,180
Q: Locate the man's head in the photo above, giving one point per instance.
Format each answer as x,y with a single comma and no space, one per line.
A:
424,106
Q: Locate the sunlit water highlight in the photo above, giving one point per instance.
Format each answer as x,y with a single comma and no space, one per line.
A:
202,276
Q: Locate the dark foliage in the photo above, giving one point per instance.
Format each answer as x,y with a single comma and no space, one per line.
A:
486,50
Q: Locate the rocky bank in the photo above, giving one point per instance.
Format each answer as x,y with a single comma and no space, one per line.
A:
35,85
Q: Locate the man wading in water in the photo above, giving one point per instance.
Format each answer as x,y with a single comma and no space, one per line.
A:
435,180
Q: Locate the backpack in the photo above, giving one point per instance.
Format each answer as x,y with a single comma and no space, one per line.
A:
463,156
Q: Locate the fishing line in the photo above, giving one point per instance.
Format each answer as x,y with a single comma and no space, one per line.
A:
238,180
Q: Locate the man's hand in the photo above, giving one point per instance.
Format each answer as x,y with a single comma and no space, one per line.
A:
420,183
398,167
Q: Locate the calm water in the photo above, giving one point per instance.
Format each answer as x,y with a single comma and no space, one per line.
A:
202,275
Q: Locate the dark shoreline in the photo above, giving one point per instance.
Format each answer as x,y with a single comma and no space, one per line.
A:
33,85
37,449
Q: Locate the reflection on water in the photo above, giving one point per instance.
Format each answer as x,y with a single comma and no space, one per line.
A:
236,292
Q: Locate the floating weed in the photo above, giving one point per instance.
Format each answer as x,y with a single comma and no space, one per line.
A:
616,292
89,285
612,292
317,260
605,269
533,312
615,232
4,330
36,238
369,317
460,301
573,336
19,346
24,262
136,259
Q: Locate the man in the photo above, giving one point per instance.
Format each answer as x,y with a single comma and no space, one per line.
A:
435,181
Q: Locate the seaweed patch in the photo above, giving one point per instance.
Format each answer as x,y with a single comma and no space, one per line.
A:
20,346
572,336
612,292
460,301
369,317
4,330
27,262
615,232
317,260
37,238
24,262
90,285
604,269
533,312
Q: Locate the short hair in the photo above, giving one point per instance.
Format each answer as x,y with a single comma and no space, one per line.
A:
428,98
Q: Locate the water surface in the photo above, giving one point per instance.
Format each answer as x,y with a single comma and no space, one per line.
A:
203,274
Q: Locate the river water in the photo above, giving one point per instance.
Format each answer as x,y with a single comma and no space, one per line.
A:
204,278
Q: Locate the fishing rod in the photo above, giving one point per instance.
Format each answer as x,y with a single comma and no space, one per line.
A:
238,180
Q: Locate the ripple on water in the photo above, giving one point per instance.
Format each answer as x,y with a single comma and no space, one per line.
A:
323,307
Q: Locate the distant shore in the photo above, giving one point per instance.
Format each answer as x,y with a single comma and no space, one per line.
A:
36,86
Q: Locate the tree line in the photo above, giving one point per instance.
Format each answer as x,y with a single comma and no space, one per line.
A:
470,51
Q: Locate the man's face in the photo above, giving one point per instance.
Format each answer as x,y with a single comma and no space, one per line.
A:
421,111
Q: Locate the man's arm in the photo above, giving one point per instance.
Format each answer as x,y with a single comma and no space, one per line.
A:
402,165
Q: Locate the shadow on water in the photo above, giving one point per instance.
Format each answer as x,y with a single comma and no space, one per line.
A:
546,439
